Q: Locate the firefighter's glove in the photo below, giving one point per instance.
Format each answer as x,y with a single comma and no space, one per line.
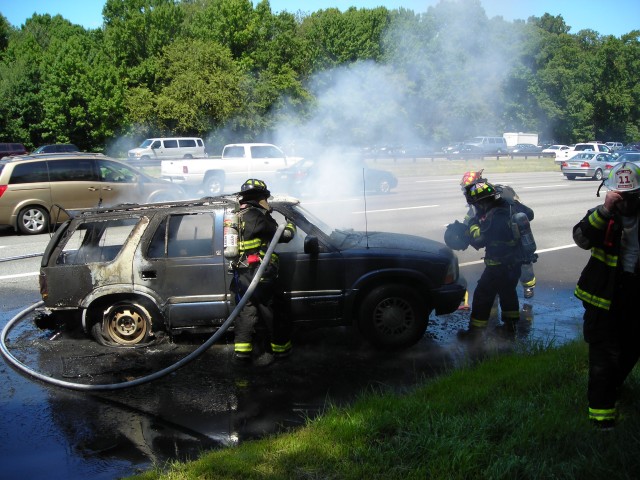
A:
456,236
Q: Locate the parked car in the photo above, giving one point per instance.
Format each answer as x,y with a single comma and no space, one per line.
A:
588,164
36,190
464,151
628,156
582,147
8,149
128,273
525,148
340,175
614,145
555,149
57,148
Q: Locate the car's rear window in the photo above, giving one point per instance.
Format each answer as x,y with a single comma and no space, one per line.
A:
29,172
97,241
185,235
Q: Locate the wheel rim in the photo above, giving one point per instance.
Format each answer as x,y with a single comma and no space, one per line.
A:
34,220
384,187
127,324
393,316
214,186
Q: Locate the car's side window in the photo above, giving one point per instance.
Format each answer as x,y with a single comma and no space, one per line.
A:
116,173
30,172
171,144
184,235
76,170
95,242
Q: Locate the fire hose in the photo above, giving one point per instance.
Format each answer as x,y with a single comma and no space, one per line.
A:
160,373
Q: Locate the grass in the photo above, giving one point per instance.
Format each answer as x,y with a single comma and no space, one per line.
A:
426,166
520,415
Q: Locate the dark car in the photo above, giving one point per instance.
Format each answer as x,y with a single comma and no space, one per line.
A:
129,272
340,175
465,150
525,148
8,149
57,148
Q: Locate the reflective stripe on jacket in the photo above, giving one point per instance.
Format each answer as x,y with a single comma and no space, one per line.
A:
602,234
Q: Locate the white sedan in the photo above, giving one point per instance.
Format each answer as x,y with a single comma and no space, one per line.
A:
555,149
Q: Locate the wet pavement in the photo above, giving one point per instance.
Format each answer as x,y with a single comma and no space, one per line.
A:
53,432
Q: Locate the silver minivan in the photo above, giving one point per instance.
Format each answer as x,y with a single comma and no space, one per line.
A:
159,148
489,144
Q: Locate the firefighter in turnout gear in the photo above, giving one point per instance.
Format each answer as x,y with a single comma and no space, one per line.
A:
607,287
490,227
256,229
527,276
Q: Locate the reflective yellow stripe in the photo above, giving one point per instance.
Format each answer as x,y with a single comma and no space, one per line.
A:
511,315
531,283
474,322
249,244
474,230
592,299
602,414
609,260
281,348
597,221
243,347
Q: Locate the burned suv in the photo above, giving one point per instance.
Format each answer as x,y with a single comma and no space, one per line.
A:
129,272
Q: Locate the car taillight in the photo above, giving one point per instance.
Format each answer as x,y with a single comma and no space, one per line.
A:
185,169
585,164
44,289
565,164
3,188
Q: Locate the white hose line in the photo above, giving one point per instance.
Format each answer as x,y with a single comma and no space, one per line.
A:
160,373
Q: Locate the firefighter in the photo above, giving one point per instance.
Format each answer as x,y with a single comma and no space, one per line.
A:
607,287
256,229
490,227
527,277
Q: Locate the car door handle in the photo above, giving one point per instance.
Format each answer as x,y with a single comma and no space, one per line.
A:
148,274
92,189
107,188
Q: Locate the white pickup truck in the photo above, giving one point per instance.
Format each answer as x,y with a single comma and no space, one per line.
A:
563,155
239,161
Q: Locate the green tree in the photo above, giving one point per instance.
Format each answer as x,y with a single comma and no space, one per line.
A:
198,91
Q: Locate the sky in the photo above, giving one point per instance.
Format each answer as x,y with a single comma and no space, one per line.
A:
607,17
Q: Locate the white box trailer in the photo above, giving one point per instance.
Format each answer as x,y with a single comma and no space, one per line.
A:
516,138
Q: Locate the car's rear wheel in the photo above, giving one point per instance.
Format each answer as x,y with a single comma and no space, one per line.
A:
33,220
125,323
570,177
393,317
598,175
384,186
213,185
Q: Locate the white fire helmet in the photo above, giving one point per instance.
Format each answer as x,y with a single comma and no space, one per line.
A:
624,177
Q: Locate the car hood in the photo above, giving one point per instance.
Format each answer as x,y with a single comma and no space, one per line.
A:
350,239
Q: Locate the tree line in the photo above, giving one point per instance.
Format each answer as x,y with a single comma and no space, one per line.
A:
227,70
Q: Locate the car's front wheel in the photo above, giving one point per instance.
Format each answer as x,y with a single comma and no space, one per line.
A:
384,186
125,323
393,317
33,220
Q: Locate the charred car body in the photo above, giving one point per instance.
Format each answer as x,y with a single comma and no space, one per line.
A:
132,271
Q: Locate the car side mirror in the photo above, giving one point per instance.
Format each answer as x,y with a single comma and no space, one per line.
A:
311,245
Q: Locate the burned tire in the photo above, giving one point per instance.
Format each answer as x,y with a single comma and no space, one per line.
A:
393,317
33,220
125,323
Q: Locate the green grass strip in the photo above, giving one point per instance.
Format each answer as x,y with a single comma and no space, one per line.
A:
520,415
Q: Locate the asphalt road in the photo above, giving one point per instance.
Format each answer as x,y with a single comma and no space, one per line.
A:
55,433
